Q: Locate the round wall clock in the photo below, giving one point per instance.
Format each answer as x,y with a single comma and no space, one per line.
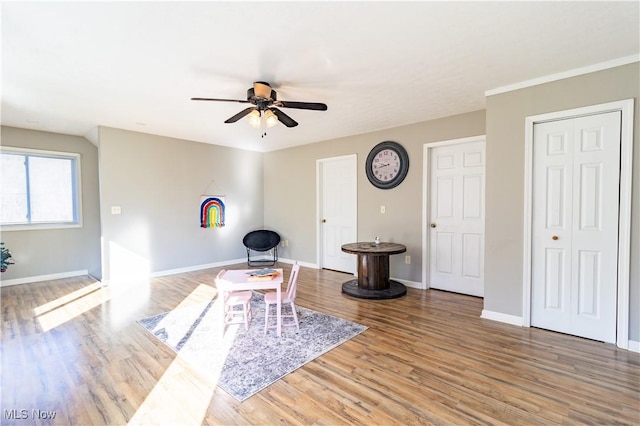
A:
387,165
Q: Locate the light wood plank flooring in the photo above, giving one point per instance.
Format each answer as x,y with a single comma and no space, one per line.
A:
72,348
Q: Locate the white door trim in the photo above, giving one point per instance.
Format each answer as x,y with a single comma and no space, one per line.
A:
426,182
319,189
624,230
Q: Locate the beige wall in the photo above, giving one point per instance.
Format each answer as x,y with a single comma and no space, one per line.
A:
506,115
290,190
158,181
45,252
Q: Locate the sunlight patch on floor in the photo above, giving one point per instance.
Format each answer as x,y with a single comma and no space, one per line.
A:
59,311
183,393
202,295
67,298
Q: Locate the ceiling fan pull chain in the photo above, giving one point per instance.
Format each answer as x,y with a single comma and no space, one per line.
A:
263,124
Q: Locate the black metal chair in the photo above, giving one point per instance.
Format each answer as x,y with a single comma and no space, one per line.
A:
262,241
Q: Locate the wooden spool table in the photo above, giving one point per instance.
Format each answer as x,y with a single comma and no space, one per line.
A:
373,271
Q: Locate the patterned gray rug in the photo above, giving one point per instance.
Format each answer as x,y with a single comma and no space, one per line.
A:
245,362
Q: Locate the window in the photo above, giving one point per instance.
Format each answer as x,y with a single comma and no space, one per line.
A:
39,189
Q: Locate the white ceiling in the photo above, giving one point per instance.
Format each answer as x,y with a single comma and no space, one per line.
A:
69,67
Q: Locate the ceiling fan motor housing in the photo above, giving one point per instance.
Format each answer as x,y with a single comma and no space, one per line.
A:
252,97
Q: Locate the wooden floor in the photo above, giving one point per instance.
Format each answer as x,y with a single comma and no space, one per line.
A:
73,350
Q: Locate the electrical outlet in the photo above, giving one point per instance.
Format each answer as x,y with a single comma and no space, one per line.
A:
116,210
382,210
286,243
407,260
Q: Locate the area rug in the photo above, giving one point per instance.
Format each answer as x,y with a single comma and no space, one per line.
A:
245,362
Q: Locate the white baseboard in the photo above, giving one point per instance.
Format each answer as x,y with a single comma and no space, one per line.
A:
634,346
412,284
229,262
39,278
302,264
196,268
225,263
497,316
193,268
48,277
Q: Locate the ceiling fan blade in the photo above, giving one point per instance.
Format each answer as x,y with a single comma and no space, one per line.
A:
316,106
284,118
239,115
221,100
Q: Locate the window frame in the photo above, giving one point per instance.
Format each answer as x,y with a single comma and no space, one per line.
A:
77,190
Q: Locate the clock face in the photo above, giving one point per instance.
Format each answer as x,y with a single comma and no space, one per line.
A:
387,165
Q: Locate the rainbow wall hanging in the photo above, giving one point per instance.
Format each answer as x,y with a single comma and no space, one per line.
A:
212,212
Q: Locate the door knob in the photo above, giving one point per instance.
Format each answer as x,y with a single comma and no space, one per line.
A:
555,237
324,220
433,225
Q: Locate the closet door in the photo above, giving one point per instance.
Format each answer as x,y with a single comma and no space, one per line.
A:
576,171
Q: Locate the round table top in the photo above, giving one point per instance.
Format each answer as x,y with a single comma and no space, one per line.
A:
382,249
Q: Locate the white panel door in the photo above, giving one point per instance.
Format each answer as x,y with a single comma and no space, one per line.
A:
339,200
576,166
456,237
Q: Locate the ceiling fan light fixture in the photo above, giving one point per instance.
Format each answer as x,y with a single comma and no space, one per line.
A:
270,118
254,119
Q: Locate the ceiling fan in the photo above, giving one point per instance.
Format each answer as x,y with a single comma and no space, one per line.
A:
265,111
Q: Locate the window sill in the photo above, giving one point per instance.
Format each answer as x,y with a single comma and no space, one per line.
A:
39,226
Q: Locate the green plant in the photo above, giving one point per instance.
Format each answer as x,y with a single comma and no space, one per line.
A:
6,258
